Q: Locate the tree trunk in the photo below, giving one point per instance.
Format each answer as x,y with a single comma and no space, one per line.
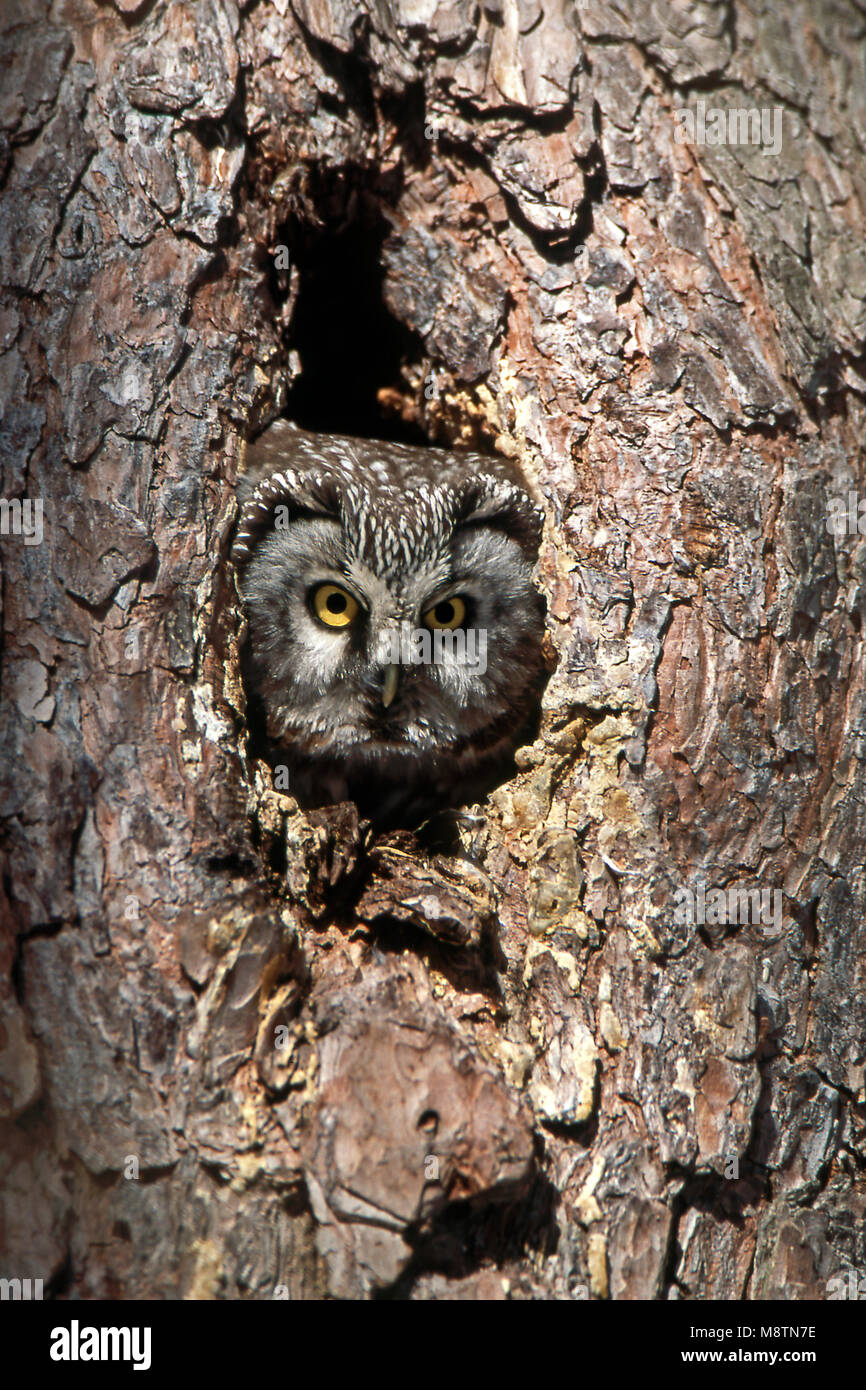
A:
251,1051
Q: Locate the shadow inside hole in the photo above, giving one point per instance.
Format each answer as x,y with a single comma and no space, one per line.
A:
350,347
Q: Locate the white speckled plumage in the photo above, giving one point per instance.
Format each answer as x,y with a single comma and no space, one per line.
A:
398,526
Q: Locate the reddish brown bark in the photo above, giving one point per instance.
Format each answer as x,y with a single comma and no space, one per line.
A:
229,1067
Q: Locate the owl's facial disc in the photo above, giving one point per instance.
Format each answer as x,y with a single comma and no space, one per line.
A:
322,622
341,544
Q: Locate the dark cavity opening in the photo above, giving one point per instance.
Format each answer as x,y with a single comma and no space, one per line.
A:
350,347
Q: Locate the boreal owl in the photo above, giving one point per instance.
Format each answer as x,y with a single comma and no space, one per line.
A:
394,633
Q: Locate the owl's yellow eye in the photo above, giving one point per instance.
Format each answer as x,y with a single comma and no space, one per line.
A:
333,606
449,612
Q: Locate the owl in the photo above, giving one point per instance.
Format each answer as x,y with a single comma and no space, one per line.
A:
394,641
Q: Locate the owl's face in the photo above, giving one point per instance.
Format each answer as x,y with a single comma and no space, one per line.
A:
353,579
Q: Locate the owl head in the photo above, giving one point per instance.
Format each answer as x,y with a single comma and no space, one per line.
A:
394,632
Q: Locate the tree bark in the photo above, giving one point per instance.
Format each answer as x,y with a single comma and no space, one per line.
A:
252,1051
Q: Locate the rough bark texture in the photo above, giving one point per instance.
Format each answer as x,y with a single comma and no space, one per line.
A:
249,1049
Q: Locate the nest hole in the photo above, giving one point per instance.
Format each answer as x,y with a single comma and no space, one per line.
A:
352,350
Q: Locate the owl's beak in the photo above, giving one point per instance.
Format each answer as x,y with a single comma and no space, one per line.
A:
389,685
